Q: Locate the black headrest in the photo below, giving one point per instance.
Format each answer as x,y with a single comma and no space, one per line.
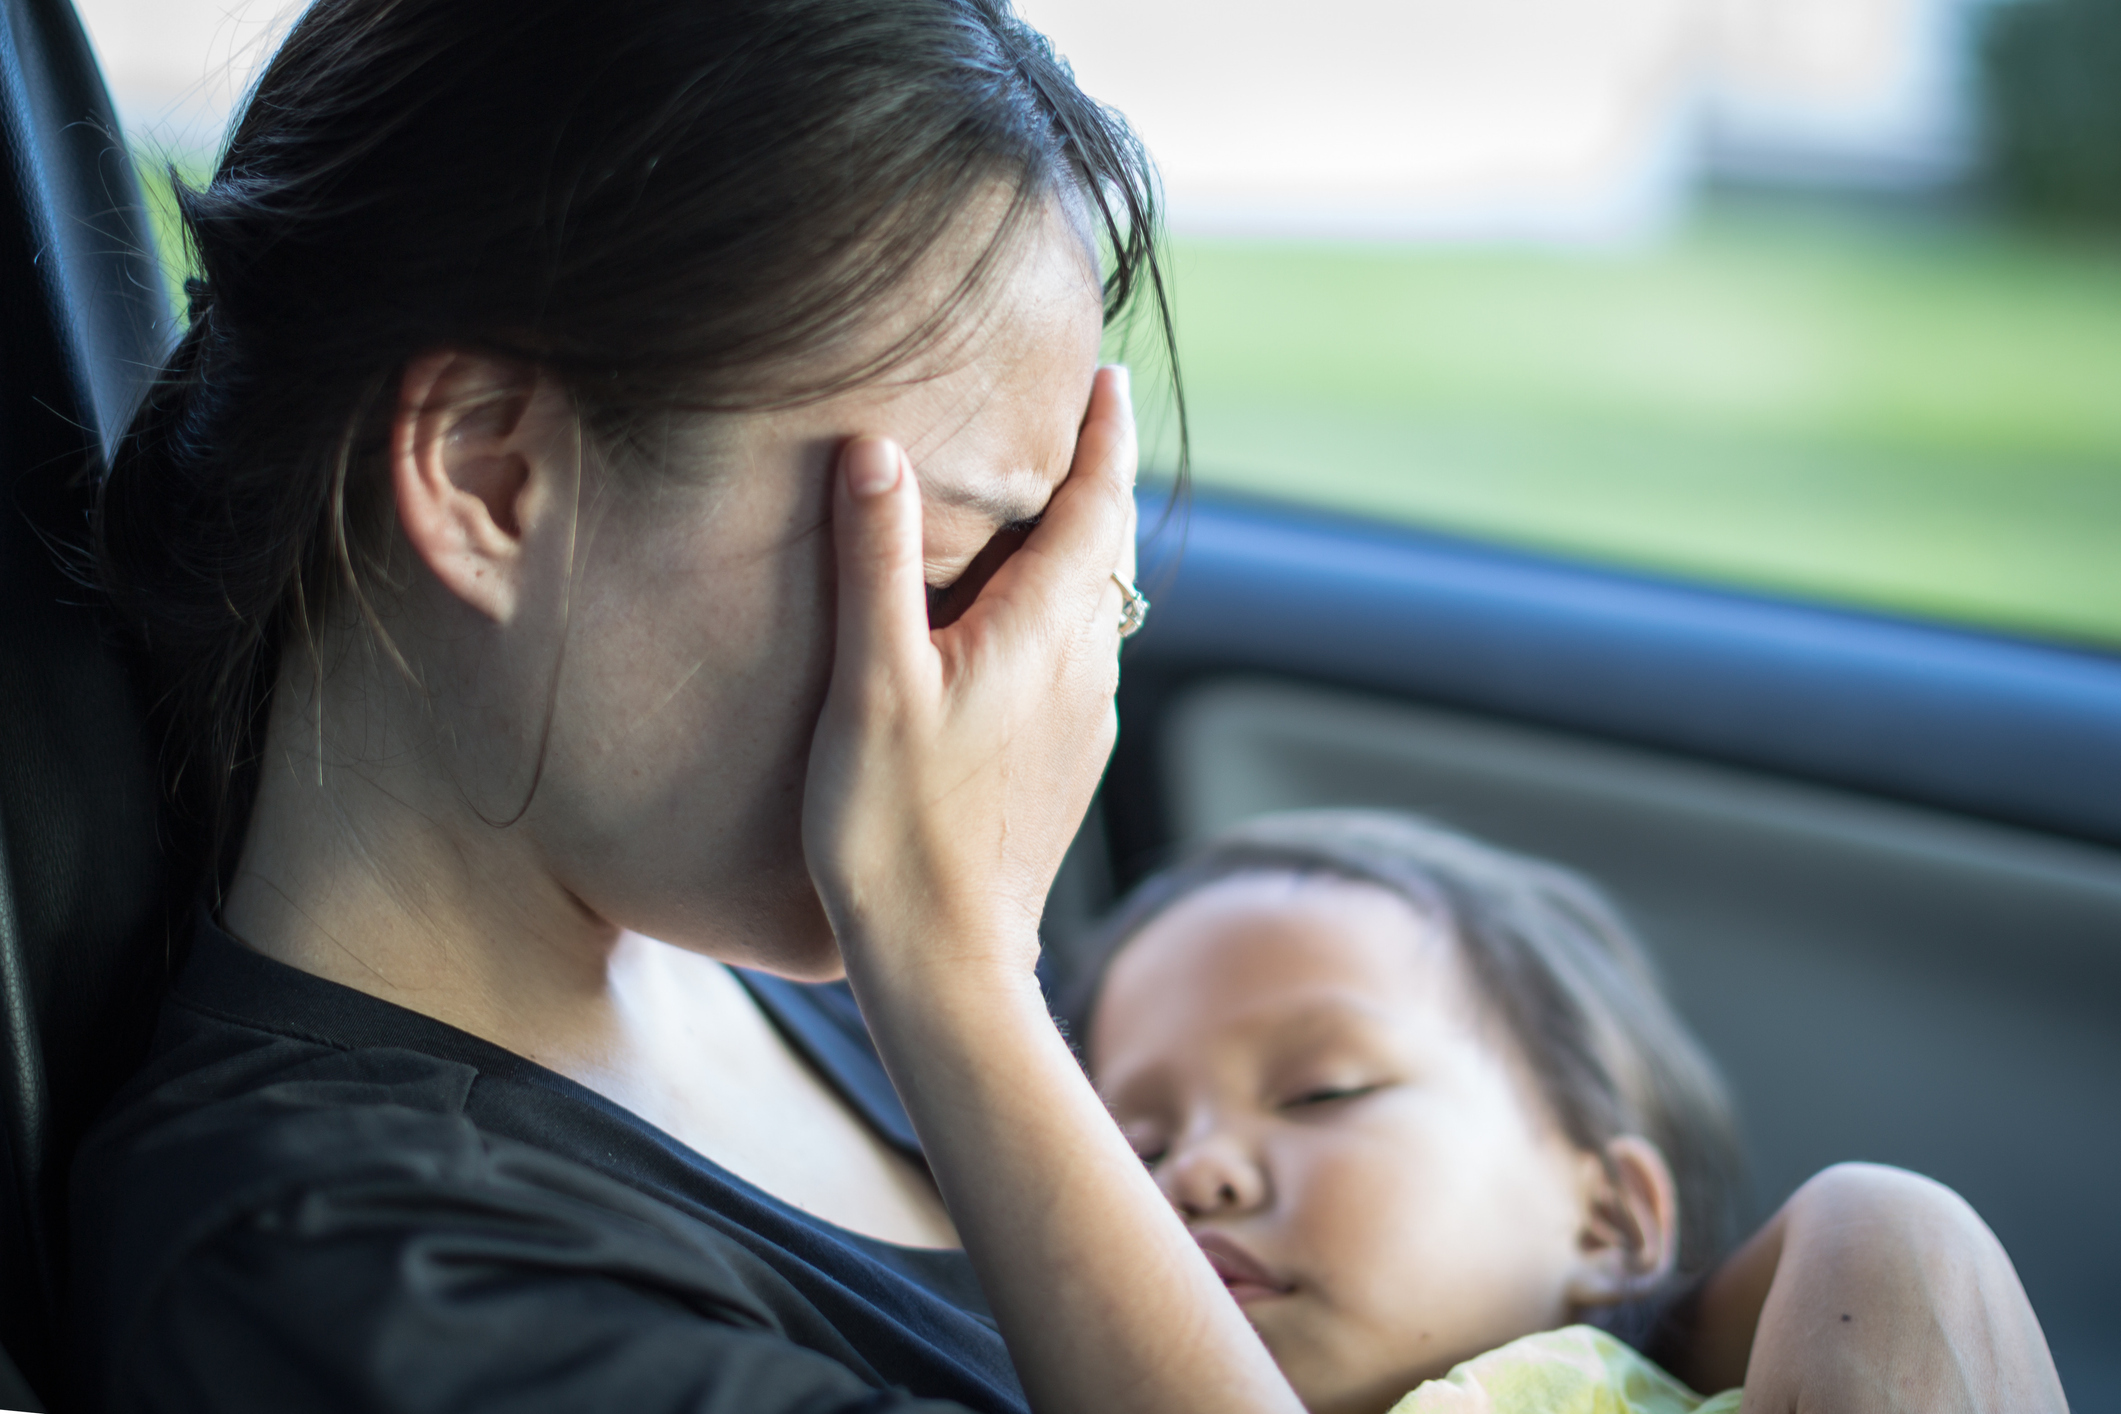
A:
84,317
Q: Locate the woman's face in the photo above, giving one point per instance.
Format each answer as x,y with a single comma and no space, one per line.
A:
699,639
1355,1145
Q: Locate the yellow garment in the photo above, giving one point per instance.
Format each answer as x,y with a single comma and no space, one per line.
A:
1575,1370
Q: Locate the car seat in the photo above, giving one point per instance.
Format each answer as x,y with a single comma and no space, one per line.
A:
84,876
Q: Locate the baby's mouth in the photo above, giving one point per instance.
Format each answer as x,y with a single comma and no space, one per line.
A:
1244,1276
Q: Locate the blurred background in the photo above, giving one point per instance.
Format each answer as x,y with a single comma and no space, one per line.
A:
1816,296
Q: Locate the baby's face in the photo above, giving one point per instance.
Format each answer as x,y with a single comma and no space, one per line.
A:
1358,1148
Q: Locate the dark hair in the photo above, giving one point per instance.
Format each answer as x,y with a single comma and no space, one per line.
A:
1548,953
667,204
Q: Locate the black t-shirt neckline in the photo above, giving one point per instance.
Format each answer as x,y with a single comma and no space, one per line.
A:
276,1103
226,977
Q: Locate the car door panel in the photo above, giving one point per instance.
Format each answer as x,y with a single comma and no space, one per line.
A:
1877,860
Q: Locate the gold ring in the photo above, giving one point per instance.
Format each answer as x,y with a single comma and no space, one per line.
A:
1135,611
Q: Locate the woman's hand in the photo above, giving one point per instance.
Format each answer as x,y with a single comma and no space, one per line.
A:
950,770
952,766
1875,1291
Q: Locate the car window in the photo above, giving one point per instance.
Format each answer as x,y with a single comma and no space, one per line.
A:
1749,291
177,70
1833,405
1765,293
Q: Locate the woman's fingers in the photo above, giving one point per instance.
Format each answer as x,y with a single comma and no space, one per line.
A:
951,766
876,531
1125,448
1087,531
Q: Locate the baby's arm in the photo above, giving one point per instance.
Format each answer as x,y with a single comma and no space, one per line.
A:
1872,1290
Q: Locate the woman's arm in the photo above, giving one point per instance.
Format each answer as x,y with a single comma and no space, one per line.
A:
950,770
1873,1291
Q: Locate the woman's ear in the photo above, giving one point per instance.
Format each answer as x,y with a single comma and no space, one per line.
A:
467,457
1629,1239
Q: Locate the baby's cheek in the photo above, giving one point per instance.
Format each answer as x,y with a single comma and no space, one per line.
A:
1403,1244
1357,1210
1363,1220
1356,1330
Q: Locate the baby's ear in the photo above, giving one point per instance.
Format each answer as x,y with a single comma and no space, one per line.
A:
1629,1240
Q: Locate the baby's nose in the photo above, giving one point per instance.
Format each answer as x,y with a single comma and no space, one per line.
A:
1211,1177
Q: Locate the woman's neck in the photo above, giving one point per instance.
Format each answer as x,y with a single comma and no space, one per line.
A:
382,880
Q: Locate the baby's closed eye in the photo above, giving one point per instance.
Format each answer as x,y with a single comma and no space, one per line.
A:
1316,1096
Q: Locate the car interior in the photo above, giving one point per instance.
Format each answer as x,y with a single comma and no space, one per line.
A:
1879,861
1874,860
84,889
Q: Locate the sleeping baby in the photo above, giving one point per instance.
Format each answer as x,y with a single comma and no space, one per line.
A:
1425,1109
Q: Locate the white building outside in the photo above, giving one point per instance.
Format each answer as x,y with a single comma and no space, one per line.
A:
1543,120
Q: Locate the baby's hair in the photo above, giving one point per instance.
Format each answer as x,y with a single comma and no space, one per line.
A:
1549,954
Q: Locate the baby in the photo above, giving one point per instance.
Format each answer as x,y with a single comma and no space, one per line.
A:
1416,1098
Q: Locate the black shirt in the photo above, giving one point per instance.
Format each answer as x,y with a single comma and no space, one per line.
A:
313,1199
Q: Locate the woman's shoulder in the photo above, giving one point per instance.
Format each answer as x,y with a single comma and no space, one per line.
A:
213,1076
309,1164
226,1114
244,1095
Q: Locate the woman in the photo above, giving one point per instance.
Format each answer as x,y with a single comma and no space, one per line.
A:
585,412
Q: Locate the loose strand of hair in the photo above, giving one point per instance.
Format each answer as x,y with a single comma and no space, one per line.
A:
559,660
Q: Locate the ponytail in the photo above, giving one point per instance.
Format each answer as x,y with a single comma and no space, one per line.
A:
208,551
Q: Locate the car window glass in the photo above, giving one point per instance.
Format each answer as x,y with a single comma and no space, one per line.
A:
1763,292
1766,293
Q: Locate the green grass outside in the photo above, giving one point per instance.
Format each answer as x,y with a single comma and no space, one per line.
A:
1920,417
1923,417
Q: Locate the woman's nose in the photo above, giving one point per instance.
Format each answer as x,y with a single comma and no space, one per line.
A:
1211,1177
